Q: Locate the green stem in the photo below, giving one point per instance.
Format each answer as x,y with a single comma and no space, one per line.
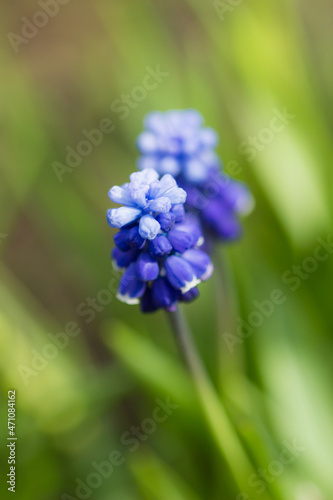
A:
214,411
229,362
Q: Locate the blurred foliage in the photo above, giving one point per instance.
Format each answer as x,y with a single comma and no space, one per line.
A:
236,64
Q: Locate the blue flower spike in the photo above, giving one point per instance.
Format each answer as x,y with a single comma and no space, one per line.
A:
177,142
157,245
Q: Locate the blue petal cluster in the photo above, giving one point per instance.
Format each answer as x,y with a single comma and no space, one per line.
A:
176,142
219,203
144,199
157,246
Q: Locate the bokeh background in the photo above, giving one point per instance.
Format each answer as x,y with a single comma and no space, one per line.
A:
236,62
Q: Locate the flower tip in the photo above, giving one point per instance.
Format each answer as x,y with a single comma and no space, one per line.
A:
119,217
116,267
132,301
209,272
190,284
148,227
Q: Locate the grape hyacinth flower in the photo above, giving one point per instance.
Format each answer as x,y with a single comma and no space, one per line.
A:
177,143
157,245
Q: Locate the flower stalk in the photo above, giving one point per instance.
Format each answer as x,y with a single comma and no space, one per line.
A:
221,427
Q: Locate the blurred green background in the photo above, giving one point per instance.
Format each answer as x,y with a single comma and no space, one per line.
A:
239,63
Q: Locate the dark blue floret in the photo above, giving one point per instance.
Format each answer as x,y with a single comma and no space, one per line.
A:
123,259
180,240
121,240
147,267
160,246
163,294
147,304
126,239
191,225
200,263
179,212
180,273
166,221
221,220
131,288
190,295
